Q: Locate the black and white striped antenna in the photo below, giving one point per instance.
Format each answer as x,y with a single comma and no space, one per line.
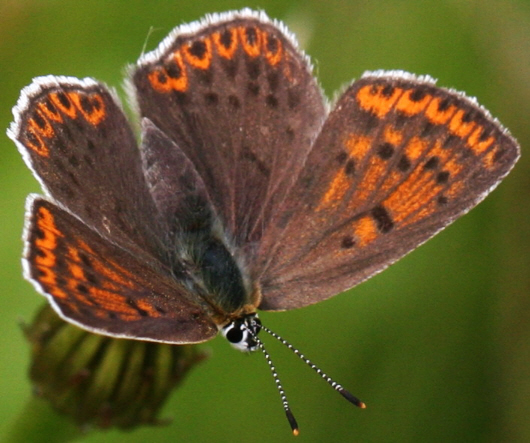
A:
290,417
285,403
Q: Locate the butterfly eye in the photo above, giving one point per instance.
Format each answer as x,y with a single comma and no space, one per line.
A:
233,333
241,333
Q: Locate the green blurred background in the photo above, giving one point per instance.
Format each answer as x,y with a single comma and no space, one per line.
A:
438,346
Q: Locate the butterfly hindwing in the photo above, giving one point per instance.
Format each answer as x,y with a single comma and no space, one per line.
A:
104,288
175,186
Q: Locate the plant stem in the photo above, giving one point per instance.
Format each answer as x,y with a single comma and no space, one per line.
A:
37,421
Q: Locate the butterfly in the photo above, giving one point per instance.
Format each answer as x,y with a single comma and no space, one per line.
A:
248,190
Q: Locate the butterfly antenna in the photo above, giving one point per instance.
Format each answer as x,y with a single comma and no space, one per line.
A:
346,394
288,413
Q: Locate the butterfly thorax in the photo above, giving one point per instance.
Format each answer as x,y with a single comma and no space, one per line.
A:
217,275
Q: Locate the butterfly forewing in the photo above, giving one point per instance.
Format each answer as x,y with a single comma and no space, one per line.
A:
397,160
238,97
75,137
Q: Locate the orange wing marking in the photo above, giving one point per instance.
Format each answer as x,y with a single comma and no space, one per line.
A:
435,115
35,142
44,127
202,57
50,114
458,127
273,49
378,100
220,41
415,148
73,264
113,278
148,307
96,114
46,260
489,159
393,136
401,202
159,79
252,48
357,147
365,230
62,102
477,145
415,198
410,107
162,81
336,191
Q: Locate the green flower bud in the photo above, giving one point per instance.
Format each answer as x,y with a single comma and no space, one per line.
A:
102,381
